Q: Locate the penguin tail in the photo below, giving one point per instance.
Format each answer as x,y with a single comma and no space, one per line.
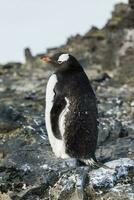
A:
93,163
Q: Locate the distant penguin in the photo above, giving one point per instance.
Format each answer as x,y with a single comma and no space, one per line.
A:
71,111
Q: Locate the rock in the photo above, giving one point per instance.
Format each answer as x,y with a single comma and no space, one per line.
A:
11,65
131,4
120,192
10,118
107,178
30,96
28,167
4,196
95,33
102,77
64,188
28,55
132,104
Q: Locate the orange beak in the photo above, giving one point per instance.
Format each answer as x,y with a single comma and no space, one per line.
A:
46,59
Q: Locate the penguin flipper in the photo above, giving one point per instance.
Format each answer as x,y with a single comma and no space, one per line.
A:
59,104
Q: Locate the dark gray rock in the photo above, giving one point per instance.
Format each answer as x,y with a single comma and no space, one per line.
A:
28,55
108,178
28,168
131,4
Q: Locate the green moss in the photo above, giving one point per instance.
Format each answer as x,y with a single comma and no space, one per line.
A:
96,33
100,34
114,21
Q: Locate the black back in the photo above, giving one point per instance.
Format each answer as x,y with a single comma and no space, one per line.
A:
81,121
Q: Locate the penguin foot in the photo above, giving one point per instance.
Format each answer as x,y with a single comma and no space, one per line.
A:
80,163
94,164
74,163
90,162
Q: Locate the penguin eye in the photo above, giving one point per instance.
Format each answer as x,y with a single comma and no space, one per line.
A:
60,62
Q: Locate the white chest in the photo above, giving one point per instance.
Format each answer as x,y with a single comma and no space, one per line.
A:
57,145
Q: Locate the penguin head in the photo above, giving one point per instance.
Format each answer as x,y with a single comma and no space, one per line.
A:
62,60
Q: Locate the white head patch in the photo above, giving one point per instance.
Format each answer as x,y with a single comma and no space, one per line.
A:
64,57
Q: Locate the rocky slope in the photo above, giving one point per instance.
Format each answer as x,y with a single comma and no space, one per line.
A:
28,168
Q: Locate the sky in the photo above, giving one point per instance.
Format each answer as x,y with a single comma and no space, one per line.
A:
41,24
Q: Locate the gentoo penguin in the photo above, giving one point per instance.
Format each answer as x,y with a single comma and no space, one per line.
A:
71,111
